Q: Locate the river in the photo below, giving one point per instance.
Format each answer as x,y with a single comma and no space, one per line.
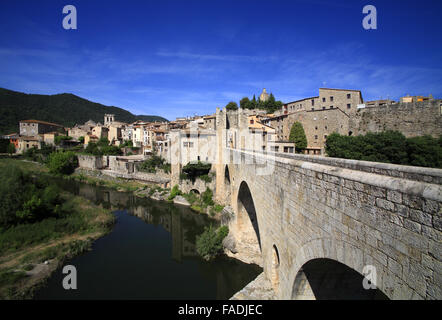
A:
150,254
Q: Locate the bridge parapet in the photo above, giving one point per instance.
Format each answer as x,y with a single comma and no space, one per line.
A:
429,175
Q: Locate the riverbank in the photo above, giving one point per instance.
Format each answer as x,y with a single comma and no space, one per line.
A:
31,252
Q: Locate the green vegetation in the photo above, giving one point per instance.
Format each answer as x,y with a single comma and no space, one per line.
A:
232,106
153,163
64,109
388,147
210,243
102,147
174,192
297,135
4,143
62,162
193,170
81,139
271,105
38,222
26,199
10,148
39,155
58,139
207,197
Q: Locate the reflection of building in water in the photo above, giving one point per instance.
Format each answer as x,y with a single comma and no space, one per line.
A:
176,237
183,234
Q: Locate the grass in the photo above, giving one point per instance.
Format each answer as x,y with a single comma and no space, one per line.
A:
25,245
113,183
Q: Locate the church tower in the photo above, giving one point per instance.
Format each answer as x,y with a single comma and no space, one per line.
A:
264,95
108,119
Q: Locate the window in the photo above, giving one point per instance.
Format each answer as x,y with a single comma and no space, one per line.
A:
316,137
316,128
325,127
313,109
323,99
331,98
348,95
313,102
251,121
331,107
325,136
348,105
323,108
199,158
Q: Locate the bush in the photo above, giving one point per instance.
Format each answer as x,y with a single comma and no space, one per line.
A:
10,148
209,243
192,170
58,139
153,163
26,199
101,148
174,192
388,147
62,162
207,196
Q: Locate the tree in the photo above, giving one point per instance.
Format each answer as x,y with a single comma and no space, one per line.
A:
244,103
81,139
297,135
253,103
62,162
210,243
232,106
11,148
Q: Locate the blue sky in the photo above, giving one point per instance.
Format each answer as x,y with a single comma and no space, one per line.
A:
178,58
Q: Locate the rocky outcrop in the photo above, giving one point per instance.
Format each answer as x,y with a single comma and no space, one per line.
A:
181,200
258,289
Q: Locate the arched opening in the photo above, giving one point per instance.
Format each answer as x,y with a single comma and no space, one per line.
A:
247,219
326,279
275,268
227,176
195,191
227,187
350,133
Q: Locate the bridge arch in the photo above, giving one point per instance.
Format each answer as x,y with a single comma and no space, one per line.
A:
247,220
332,269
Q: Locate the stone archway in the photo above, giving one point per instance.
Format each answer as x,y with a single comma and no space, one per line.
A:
327,279
247,221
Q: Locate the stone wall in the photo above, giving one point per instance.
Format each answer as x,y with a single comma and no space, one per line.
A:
90,162
412,119
309,210
187,185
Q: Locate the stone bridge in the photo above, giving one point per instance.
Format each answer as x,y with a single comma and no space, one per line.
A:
316,223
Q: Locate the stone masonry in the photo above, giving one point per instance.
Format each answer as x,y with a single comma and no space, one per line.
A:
353,212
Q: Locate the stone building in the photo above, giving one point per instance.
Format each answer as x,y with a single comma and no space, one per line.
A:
36,127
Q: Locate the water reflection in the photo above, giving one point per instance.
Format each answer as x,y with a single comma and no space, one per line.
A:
150,254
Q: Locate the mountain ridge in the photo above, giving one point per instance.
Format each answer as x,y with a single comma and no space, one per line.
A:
66,109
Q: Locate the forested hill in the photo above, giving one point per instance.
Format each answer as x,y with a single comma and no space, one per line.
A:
65,109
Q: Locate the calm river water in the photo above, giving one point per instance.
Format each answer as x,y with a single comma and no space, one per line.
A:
150,254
